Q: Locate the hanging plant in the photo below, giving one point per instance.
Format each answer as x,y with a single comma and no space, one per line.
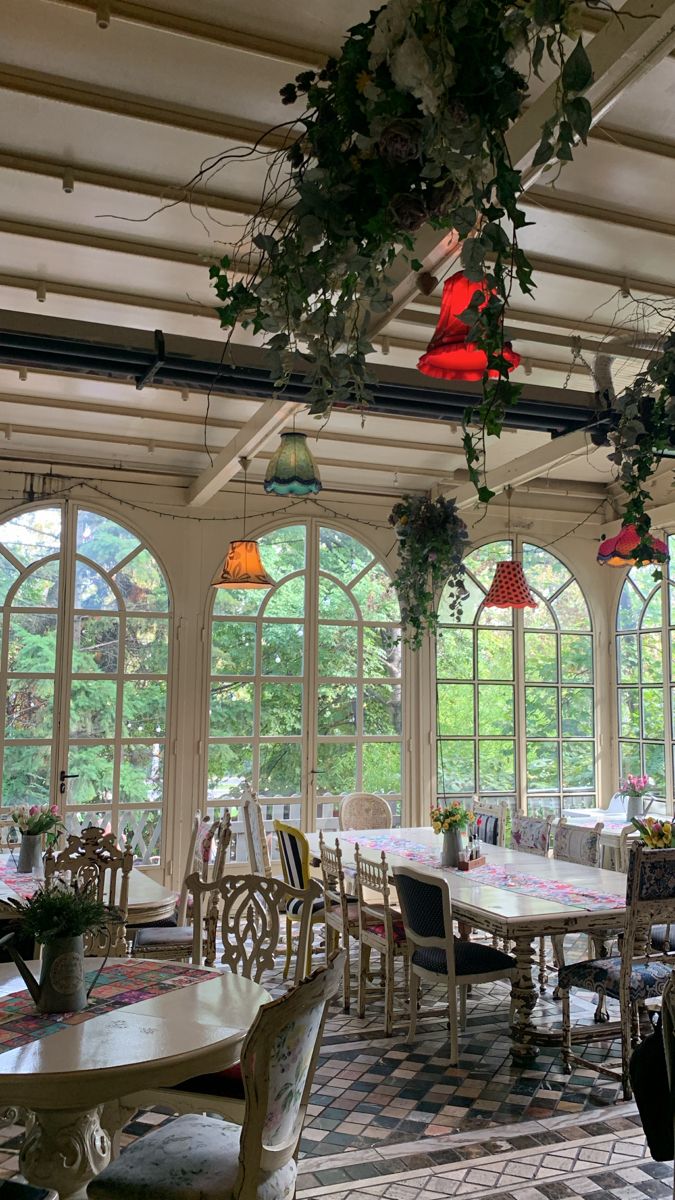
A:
432,538
406,127
646,430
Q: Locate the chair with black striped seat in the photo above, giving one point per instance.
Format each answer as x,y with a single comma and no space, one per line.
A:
295,856
436,955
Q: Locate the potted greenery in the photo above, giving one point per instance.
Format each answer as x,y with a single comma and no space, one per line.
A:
57,917
432,538
32,821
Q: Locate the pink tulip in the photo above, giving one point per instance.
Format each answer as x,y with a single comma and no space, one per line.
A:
33,810
54,810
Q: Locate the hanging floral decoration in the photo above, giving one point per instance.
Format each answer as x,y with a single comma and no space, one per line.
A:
645,432
406,126
432,538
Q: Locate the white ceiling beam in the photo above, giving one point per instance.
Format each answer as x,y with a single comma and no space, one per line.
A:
60,287
563,269
207,31
624,50
270,417
104,241
628,140
553,200
556,453
139,108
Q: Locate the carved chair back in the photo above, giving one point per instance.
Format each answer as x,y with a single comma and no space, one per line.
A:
365,810
93,858
256,836
492,828
532,835
251,911
223,842
336,899
372,876
577,843
192,863
278,1061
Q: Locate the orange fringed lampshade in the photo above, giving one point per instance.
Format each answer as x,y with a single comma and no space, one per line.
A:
619,551
509,588
449,355
243,568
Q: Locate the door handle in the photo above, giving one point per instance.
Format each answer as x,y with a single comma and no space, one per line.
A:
63,775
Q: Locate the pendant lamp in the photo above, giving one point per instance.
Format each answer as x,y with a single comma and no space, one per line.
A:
619,551
291,470
449,355
509,587
243,567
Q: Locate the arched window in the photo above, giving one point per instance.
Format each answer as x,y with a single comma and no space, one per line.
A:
305,694
85,659
515,707
645,644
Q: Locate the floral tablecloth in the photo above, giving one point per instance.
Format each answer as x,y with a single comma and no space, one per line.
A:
22,886
491,874
119,984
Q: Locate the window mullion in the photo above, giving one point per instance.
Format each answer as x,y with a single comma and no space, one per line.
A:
310,753
64,650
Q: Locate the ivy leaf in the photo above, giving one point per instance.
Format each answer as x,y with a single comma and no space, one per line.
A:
546,12
543,153
537,56
266,243
473,258
485,494
577,72
580,114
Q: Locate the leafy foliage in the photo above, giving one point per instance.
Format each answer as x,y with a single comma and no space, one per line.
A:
407,126
432,538
62,911
645,431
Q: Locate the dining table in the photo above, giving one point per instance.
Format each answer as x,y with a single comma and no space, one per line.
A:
149,900
516,896
71,1078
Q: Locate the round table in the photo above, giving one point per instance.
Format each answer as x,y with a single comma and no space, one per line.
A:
72,1081
148,899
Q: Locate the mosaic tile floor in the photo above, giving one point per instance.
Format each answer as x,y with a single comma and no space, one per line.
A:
393,1119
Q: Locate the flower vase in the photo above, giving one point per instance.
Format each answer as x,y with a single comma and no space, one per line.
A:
450,850
633,807
30,854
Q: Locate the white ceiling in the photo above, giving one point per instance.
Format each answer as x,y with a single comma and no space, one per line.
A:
133,110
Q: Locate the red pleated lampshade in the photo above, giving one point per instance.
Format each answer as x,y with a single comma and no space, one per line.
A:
509,588
449,354
619,551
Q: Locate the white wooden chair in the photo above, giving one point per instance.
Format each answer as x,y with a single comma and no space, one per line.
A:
436,956
253,908
205,1156
365,810
576,844
532,835
341,912
92,857
256,835
380,929
635,977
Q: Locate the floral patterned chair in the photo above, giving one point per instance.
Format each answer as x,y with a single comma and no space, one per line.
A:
206,1157
532,835
636,976
576,844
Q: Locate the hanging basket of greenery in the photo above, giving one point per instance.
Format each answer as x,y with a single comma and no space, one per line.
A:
406,126
432,538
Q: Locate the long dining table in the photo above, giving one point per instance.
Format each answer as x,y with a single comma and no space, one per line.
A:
516,896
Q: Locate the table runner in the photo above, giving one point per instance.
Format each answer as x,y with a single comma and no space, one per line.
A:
492,874
119,984
23,886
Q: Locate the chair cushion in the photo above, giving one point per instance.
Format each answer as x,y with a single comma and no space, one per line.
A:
662,934
167,923
647,979
229,1084
192,1158
169,935
294,907
471,958
381,931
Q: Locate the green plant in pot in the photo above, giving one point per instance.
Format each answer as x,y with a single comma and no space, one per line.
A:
58,917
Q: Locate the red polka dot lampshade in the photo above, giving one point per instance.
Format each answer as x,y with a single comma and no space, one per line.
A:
619,551
449,354
509,588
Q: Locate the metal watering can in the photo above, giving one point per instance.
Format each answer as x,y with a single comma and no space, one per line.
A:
61,987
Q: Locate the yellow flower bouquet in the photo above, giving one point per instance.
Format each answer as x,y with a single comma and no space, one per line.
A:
657,835
451,816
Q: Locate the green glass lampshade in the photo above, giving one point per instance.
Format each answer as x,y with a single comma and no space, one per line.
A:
291,470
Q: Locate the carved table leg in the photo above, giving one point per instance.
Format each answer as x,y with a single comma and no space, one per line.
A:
524,995
65,1150
114,1116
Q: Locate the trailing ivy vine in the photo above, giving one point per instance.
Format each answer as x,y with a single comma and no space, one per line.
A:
432,538
407,126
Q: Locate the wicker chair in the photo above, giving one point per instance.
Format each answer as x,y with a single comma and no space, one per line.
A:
365,810
636,976
211,1157
341,910
93,857
436,955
